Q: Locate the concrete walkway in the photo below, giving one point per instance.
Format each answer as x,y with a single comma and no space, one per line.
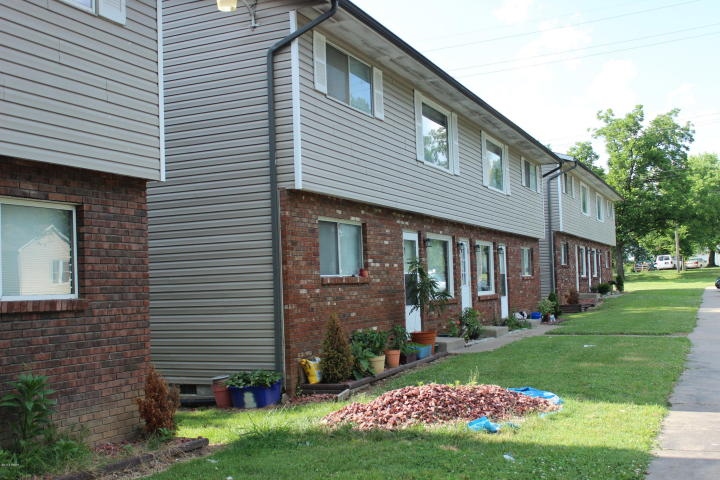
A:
689,443
492,343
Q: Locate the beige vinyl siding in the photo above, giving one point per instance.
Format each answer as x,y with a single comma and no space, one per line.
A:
80,90
349,154
210,236
576,223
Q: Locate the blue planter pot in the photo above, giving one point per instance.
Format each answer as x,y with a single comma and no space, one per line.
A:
255,397
424,351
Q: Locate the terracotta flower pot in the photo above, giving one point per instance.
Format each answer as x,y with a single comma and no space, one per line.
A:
425,338
392,358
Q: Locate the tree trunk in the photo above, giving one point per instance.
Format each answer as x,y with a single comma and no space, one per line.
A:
619,261
711,258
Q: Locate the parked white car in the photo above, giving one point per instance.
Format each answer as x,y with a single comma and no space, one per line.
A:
664,262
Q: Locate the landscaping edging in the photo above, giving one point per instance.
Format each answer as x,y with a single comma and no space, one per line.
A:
352,385
132,462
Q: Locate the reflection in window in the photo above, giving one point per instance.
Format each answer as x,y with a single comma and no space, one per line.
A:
435,139
37,248
340,248
485,268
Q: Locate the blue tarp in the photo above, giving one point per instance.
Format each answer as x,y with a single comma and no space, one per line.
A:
534,392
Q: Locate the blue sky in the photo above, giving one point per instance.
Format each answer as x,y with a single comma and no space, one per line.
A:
551,65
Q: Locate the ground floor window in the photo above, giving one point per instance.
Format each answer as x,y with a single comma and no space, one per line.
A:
564,253
340,248
439,262
37,250
485,268
526,261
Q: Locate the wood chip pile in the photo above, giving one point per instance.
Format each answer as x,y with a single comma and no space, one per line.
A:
434,403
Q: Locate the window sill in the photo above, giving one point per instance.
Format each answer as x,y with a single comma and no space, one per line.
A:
344,280
484,298
40,306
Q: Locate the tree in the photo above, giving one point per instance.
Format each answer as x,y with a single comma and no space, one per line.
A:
583,152
648,167
704,200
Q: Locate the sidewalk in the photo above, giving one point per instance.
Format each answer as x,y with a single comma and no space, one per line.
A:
689,443
492,343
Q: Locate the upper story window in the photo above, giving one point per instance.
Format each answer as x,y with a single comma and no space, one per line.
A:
599,206
530,175
526,261
436,134
495,164
37,250
584,199
340,248
609,210
439,262
485,268
111,9
569,184
347,79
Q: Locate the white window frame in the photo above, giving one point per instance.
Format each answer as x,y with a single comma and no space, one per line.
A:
449,255
526,262
584,199
609,209
453,153
528,172
594,262
114,10
485,138
569,180
599,213
74,251
320,77
582,261
479,245
564,253
361,248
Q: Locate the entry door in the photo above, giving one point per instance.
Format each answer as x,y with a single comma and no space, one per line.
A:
503,286
465,295
410,254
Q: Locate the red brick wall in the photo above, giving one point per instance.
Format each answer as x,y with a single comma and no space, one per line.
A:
94,349
379,299
566,275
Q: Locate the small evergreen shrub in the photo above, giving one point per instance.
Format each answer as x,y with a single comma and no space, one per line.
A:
336,361
620,283
158,407
603,288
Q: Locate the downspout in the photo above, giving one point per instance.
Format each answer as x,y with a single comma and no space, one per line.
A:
556,172
274,193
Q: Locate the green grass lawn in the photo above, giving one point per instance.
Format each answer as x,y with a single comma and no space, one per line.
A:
614,367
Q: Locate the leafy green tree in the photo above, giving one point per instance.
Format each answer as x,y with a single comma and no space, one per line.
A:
704,200
584,153
648,167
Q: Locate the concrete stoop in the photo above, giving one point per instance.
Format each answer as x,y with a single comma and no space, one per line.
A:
456,344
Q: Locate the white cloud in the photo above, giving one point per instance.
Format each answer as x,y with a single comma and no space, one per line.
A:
612,87
512,12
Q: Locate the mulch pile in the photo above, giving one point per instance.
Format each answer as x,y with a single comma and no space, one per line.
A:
434,404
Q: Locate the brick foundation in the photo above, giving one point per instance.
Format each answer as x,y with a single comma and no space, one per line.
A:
377,300
93,349
566,275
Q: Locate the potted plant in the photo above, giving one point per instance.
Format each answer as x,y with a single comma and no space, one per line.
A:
398,338
428,298
409,352
254,388
368,345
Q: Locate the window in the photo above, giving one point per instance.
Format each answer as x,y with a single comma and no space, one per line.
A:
599,214
526,262
582,262
437,136
485,268
37,250
347,79
564,253
111,9
439,262
584,199
609,209
494,164
569,185
340,248
594,262
530,175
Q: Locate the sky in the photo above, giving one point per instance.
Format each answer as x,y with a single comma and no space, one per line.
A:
551,65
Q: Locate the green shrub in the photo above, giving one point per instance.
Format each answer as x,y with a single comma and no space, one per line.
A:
336,361
604,288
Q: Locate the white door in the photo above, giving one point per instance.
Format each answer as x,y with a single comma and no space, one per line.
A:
465,295
410,253
502,268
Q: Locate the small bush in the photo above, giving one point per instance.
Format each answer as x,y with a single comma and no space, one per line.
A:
604,288
470,325
620,283
336,362
158,407
573,297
